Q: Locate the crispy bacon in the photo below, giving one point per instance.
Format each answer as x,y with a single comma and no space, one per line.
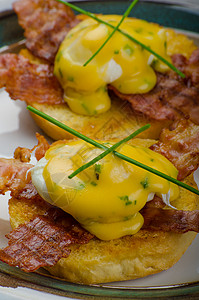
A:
149,104
29,82
41,242
178,221
181,146
24,154
13,172
172,98
189,67
46,23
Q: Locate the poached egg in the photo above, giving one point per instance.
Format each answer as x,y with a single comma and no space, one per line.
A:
105,198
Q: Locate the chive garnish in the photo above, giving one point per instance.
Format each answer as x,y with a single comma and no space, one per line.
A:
93,16
97,171
145,183
109,150
126,199
120,155
127,12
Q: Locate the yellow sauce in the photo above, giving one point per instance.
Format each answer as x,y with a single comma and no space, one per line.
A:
121,63
107,197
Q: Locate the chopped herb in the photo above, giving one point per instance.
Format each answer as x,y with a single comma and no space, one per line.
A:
165,44
145,183
125,199
102,88
60,73
58,56
97,170
150,32
139,30
128,49
146,81
80,186
126,218
116,51
152,159
71,78
135,202
120,86
93,183
154,63
85,107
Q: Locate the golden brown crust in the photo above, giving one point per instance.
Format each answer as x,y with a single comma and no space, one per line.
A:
142,254
116,123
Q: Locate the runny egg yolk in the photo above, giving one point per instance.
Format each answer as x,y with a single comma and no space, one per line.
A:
121,63
105,198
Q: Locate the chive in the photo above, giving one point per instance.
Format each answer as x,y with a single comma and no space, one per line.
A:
93,183
109,150
127,12
127,218
97,170
145,183
122,156
93,16
129,50
58,56
139,30
81,186
125,199
60,73
71,78
85,107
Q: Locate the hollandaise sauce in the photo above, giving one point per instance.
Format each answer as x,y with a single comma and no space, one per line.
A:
107,197
121,63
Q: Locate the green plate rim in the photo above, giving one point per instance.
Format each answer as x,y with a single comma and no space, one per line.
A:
100,289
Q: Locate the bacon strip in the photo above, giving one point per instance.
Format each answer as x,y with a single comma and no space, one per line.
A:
172,97
13,172
181,146
177,221
46,23
29,82
148,104
40,243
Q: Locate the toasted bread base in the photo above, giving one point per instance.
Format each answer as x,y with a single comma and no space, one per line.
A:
130,257
119,121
